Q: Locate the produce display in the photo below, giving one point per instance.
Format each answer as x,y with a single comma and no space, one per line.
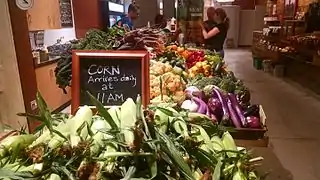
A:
125,142
181,135
273,47
310,40
206,87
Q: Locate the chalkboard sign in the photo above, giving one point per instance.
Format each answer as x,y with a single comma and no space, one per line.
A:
66,13
110,76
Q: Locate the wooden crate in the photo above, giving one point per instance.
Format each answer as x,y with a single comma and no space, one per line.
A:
253,136
264,142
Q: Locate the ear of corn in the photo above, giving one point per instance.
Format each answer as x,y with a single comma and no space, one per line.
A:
127,120
162,120
98,137
217,143
203,136
12,142
78,125
238,175
114,112
54,177
229,144
180,126
197,175
217,171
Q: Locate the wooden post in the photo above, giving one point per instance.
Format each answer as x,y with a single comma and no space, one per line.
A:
24,58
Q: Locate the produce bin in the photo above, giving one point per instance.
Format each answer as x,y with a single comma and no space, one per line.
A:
253,136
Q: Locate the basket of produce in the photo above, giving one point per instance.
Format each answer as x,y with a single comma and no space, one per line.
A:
125,142
227,102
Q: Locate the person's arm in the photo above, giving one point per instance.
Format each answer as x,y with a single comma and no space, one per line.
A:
211,33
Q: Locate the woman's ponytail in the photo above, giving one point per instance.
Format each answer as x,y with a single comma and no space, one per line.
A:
223,15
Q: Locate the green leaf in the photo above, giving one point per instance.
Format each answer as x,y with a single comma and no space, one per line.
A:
32,116
67,173
204,158
153,166
60,134
8,174
80,128
165,111
103,112
89,130
169,148
130,173
44,111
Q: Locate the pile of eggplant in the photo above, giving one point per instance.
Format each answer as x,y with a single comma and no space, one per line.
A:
223,108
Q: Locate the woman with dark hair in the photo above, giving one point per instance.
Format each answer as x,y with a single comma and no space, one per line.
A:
219,33
160,21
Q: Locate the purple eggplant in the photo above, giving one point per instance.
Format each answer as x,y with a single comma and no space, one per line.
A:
222,99
238,110
252,110
253,122
202,105
233,115
212,116
215,107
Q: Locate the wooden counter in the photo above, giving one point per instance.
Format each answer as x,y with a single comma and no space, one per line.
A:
48,88
51,60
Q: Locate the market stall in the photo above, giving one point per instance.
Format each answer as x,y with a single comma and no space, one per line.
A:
289,46
174,113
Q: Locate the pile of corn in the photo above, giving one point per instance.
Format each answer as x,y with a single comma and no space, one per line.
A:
125,142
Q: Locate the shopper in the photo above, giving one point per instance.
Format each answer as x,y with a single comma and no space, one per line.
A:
160,21
312,17
209,25
127,20
219,33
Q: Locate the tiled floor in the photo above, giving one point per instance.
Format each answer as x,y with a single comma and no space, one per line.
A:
293,120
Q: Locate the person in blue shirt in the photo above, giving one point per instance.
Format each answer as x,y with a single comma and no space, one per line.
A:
127,20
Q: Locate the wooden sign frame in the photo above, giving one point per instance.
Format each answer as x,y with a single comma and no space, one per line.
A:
144,57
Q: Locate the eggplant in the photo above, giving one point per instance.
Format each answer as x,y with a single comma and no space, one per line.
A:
215,107
252,110
238,110
253,122
212,117
202,105
225,116
233,115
